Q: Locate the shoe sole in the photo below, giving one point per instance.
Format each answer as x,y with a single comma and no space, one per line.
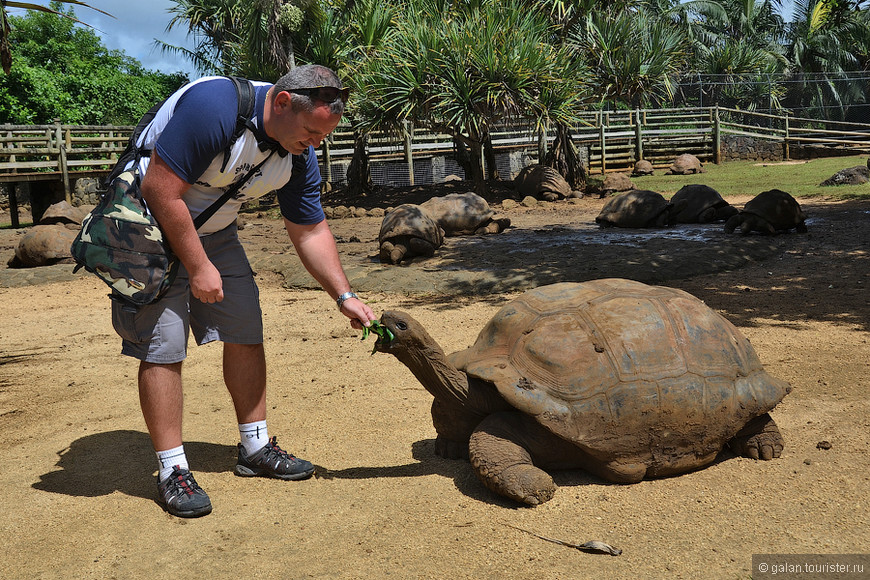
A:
243,471
198,513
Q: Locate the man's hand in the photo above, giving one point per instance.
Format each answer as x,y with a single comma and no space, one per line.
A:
359,313
206,285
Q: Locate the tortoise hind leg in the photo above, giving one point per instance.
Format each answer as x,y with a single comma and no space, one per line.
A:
499,454
759,439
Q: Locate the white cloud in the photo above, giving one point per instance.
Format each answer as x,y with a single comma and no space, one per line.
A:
134,28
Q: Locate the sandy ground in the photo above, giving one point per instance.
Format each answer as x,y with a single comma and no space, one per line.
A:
78,486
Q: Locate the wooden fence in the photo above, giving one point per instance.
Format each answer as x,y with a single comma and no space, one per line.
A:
608,141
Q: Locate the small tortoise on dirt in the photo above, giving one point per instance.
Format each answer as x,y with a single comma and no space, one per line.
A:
639,208
685,164
624,380
769,212
408,231
464,213
44,245
63,213
703,205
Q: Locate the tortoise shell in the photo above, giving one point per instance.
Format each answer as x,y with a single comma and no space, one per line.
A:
458,213
703,204
623,369
413,227
639,208
777,207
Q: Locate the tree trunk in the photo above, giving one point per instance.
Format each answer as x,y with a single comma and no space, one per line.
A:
564,158
476,166
359,173
489,156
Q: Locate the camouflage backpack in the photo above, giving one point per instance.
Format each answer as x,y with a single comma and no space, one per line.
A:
121,242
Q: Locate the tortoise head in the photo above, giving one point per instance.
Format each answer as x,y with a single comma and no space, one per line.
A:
424,357
407,334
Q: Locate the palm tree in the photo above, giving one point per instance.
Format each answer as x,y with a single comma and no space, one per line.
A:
634,57
460,71
828,40
253,38
54,8
345,38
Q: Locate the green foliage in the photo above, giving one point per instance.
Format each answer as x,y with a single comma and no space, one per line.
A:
63,72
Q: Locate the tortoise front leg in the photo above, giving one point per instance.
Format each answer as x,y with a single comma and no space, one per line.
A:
500,450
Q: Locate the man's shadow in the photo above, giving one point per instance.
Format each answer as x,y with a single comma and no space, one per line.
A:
124,461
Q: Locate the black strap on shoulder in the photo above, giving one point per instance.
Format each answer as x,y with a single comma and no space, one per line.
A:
247,100
132,152
231,191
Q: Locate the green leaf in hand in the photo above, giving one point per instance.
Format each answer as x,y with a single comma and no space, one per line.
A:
379,329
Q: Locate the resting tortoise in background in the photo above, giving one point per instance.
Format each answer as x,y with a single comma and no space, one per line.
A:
642,167
624,380
639,208
408,231
464,213
703,205
769,212
685,164
44,245
542,182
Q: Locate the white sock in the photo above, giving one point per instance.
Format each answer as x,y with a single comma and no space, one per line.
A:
254,436
169,459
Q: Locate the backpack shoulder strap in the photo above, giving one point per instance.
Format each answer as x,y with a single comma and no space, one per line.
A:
132,151
247,100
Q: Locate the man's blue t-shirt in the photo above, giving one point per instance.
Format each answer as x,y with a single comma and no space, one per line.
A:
202,123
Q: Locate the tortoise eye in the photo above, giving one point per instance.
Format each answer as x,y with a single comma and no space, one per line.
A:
401,326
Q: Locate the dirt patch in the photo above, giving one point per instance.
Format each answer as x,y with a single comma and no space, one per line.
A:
78,484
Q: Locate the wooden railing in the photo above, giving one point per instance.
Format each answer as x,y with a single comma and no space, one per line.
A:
612,140
43,152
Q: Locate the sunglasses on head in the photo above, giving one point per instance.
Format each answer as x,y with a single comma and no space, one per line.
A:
324,94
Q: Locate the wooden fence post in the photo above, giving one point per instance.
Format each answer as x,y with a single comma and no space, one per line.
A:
601,142
327,162
785,152
638,136
717,143
61,161
409,157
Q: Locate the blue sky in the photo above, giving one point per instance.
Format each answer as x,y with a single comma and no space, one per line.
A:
133,30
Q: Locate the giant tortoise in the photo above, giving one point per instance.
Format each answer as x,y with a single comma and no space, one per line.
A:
639,208
703,204
624,380
769,212
408,231
464,213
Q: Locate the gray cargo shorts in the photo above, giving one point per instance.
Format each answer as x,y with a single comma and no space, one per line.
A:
158,332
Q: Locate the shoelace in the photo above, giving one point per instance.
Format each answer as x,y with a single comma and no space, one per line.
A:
272,449
183,484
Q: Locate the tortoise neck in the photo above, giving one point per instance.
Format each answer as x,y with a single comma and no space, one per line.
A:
431,367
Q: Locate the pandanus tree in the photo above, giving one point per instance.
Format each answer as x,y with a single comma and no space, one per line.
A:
460,72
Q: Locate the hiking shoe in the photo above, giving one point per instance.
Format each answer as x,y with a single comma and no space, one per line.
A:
272,461
180,495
